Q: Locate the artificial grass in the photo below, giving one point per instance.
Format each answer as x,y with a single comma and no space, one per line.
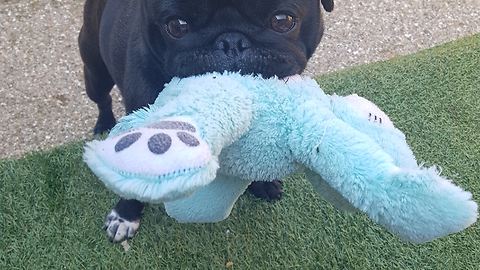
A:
52,207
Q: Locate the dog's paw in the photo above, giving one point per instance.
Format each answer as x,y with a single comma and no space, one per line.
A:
118,228
105,122
268,191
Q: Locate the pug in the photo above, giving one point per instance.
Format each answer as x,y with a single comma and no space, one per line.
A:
139,45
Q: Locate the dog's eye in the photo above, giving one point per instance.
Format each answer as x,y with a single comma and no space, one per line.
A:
177,28
282,23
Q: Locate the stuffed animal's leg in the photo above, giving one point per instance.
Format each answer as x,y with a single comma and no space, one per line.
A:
416,204
330,194
211,203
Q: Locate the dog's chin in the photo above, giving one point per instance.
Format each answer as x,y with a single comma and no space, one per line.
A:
266,66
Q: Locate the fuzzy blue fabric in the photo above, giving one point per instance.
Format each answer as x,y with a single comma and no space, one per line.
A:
205,138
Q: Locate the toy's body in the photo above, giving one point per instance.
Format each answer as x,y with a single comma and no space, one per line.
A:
206,138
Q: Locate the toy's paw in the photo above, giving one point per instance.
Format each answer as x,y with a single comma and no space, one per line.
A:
374,118
268,191
174,144
369,110
158,162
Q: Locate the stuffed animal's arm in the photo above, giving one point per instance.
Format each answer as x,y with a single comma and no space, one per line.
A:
220,108
170,150
340,154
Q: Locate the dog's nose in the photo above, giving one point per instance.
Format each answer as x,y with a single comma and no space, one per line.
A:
232,44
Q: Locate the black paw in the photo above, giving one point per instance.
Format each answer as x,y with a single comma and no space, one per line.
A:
106,121
118,228
268,191
124,220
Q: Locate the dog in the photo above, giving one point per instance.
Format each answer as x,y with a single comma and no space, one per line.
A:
141,45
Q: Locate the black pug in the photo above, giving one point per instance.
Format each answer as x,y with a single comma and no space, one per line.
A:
139,45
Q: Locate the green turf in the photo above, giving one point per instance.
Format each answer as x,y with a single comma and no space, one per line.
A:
52,206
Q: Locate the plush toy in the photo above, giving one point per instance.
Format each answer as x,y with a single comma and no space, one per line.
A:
205,138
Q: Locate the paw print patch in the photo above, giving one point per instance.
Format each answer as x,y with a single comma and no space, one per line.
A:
164,147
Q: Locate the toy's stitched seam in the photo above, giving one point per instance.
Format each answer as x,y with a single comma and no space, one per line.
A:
326,126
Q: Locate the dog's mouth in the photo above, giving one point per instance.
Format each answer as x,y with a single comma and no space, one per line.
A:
257,61
263,69
297,78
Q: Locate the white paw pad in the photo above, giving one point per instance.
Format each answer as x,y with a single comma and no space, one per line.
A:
118,228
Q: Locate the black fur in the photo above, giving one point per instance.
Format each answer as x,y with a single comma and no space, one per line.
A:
139,45
268,191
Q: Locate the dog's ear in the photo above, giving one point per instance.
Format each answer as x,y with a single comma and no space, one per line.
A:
327,5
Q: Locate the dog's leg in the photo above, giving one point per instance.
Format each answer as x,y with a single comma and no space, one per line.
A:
98,81
268,191
98,85
124,219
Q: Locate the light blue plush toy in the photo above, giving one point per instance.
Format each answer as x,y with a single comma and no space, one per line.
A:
205,138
